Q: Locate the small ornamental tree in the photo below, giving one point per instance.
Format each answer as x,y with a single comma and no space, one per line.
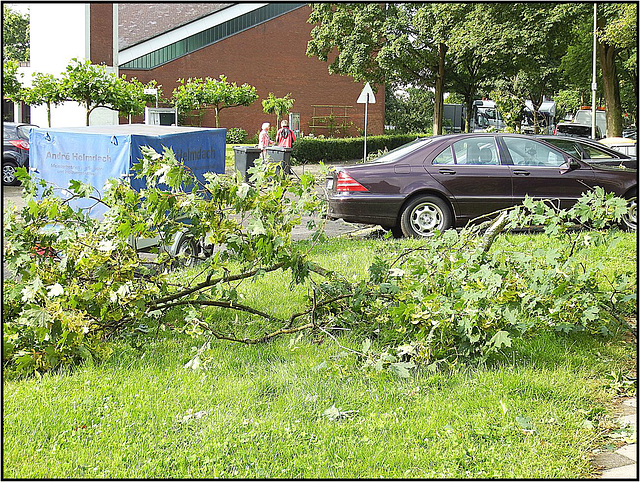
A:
219,94
133,99
92,86
280,106
45,89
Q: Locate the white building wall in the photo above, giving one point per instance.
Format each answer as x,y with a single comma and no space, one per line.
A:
59,33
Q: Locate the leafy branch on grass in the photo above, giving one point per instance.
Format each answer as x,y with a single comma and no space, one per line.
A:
456,296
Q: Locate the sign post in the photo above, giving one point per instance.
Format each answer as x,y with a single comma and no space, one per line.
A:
366,97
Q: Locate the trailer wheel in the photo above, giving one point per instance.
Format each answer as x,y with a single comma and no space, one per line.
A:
187,251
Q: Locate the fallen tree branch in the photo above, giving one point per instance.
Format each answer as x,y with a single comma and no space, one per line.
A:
210,282
496,228
262,339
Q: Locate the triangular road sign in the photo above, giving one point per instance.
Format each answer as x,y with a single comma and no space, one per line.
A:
367,91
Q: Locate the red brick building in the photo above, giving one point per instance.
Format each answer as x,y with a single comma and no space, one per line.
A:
263,45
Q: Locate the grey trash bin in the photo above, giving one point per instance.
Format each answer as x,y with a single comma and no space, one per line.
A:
281,155
245,157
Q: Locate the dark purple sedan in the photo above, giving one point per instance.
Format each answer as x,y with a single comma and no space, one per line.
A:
441,182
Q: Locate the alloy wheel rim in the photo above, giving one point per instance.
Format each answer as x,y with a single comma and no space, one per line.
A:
632,215
8,174
426,218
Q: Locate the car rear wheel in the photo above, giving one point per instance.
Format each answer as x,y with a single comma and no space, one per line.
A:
424,215
9,174
396,232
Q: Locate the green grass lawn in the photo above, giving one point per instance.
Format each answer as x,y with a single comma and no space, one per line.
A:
305,407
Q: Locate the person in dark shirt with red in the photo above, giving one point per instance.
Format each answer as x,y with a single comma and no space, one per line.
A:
285,136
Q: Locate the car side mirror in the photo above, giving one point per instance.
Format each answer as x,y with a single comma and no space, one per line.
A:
573,164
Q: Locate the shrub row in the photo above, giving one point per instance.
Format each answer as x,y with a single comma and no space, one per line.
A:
313,150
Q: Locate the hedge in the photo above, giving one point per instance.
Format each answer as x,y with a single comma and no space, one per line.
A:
312,150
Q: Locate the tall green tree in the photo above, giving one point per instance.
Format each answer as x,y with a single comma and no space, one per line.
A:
478,54
576,65
15,35
540,44
219,94
617,35
394,43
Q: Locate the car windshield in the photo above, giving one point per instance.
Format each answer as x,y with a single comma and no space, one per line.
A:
401,151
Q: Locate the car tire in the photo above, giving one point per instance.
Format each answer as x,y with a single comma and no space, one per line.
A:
424,215
9,174
396,232
630,220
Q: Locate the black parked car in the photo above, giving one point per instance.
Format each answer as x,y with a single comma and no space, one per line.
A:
446,181
591,151
15,150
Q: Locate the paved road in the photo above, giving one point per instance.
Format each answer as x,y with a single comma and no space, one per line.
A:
12,195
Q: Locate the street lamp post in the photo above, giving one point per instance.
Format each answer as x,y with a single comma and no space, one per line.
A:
594,85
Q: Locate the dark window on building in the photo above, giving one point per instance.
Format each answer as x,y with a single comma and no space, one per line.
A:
7,110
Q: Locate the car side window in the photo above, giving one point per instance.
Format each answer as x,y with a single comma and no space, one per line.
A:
445,157
595,153
569,147
476,151
527,152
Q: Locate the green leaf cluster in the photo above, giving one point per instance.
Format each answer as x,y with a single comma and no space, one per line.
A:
15,35
458,297
79,281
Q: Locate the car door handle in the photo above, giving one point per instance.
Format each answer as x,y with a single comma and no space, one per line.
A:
519,172
448,172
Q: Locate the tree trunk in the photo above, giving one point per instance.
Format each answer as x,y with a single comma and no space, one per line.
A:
88,103
438,108
469,112
607,56
536,115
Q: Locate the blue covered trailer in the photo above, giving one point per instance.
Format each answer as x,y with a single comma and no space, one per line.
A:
95,154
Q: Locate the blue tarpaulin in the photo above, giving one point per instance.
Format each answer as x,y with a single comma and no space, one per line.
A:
97,153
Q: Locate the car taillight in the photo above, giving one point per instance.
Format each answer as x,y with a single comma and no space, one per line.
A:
348,184
20,144
555,130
